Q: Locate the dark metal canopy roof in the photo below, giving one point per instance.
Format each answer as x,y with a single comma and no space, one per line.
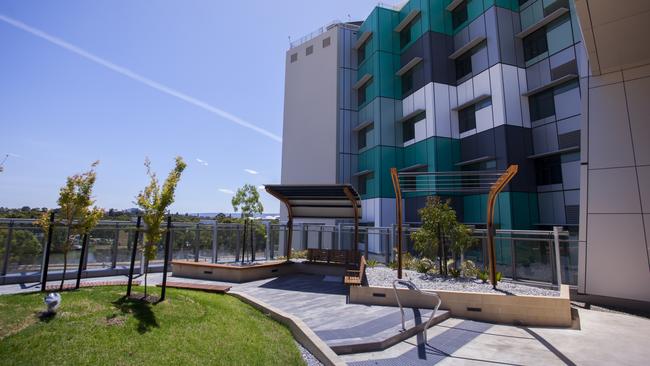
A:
318,200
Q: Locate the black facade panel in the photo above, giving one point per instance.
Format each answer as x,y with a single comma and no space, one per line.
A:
508,145
434,49
477,146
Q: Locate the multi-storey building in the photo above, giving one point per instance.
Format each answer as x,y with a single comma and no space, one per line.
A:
464,85
440,85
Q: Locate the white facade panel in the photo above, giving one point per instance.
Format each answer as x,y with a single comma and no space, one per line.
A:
465,91
498,105
442,109
484,119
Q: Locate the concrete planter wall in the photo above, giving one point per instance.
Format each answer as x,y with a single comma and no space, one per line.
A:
505,309
239,274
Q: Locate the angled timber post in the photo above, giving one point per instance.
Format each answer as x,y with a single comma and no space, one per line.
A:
355,207
496,188
398,212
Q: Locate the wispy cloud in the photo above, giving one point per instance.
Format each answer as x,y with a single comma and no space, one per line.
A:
202,162
226,191
251,171
137,77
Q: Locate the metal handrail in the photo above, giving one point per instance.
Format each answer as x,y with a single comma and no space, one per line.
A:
411,286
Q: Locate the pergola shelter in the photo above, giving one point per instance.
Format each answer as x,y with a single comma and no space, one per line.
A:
322,201
491,182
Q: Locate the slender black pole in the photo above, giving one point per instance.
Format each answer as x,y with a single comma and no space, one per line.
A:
133,254
46,262
82,257
165,264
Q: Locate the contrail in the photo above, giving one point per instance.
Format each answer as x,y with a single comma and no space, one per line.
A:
137,77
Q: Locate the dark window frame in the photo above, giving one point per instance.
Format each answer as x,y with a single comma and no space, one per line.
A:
362,135
361,94
467,119
309,50
361,53
408,126
406,81
405,36
326,42
542,105
459,15
362,185
535,44
463,65
548,170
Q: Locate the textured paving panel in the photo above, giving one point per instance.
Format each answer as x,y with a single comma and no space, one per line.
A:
436,349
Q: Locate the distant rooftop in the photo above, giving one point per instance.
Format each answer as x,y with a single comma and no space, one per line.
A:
323,29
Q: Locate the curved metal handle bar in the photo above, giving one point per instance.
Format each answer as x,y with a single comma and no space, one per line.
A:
411,286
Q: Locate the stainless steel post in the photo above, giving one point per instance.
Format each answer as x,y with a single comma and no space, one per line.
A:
556,241
215,233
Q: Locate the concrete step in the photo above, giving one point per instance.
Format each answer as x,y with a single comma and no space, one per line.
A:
381,333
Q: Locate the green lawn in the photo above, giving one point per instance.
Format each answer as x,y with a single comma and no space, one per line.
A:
95,326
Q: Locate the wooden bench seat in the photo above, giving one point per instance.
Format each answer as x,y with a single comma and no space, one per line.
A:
354,277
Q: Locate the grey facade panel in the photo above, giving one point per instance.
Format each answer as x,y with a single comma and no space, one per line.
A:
489,19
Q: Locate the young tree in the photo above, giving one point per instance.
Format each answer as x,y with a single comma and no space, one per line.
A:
438,220
154,201
461,240
78,217
247,200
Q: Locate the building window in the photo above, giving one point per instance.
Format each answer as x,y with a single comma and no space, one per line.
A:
463,65
464,62
459,15
467,116
363,183
361,95
467,119
361,53
407,82
326,42
405,36
309,50
548,170
542,105
362,137
535,44
294,57
408,126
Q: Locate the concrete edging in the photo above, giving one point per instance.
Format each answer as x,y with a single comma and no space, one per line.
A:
300,331
554,311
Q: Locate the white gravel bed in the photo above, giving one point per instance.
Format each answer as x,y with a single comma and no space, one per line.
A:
384,277
310,360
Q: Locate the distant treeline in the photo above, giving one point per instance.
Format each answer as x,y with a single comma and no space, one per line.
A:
27,212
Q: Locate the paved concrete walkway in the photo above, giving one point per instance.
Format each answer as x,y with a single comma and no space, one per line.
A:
603,338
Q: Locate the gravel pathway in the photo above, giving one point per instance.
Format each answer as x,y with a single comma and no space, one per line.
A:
383,276
309,359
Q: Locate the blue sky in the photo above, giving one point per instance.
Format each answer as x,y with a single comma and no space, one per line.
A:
60,111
